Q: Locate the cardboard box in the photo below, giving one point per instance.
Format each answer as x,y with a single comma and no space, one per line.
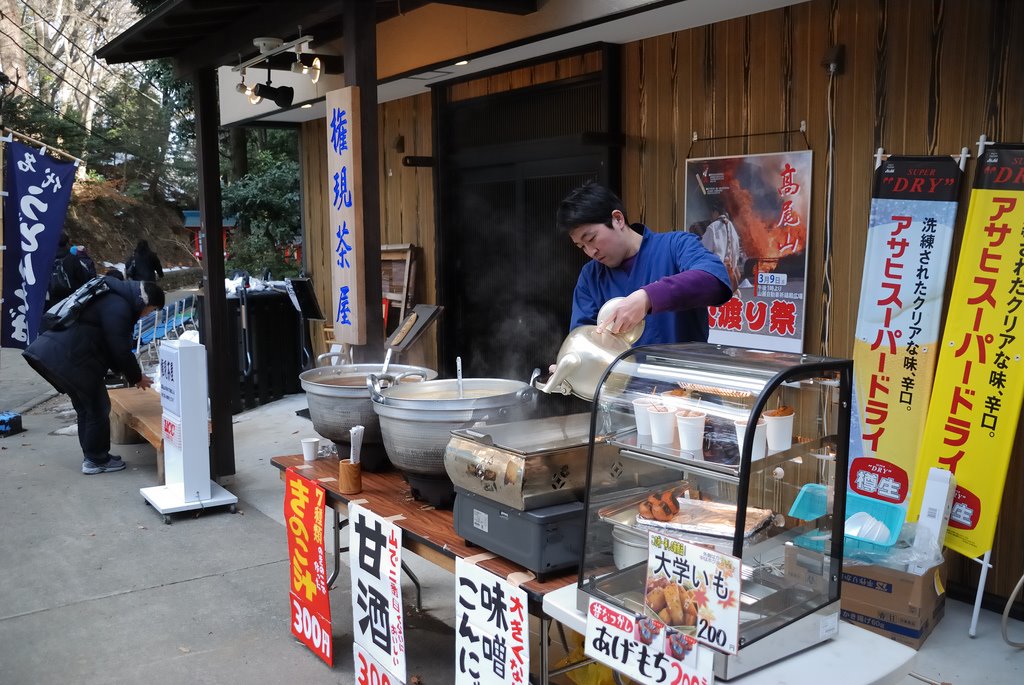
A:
911,631
896,591
901,606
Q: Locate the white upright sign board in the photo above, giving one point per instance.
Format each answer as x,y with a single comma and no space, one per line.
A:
187,483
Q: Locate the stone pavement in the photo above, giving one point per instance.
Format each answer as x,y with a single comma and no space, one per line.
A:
97,589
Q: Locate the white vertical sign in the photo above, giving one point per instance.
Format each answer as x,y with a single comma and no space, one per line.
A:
375,560
343,190
492,629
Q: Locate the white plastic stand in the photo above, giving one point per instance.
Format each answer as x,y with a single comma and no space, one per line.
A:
186,434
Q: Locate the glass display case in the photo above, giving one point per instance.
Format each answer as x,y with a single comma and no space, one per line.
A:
671,454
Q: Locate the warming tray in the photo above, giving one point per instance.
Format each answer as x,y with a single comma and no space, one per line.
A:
523,464
696,519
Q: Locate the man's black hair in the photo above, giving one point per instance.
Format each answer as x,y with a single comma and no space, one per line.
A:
589,204
154,294
114,273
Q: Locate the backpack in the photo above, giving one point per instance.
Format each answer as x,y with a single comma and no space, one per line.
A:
60,282
66,312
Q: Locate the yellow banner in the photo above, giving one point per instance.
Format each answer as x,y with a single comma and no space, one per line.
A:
979,382
910,235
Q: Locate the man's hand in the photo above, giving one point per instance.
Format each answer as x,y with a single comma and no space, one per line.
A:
629,313
144,382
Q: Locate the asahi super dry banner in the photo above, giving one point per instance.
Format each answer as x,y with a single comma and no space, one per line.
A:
38,191
910,232
753,211
310,604
979,382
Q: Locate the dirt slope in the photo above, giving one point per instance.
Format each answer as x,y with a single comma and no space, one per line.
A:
109,224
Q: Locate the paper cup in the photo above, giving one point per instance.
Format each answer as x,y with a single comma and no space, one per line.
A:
691,430
663,425
757,451
310,447
780,432
640,407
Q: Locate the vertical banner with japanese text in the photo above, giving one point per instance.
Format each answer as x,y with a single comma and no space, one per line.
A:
38,192
753,211
979,382
492,629
910,234
343,192
310,604
375,562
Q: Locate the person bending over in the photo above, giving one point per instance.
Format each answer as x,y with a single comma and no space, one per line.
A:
75,359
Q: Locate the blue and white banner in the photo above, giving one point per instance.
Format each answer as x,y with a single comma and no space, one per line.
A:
38,192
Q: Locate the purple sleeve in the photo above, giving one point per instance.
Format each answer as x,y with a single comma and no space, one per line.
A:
686,290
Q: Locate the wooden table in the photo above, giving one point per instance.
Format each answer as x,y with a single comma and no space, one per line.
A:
426,532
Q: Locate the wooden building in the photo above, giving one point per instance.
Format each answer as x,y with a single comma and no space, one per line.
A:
471,160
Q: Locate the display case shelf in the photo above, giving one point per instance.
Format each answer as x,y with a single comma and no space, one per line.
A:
700,477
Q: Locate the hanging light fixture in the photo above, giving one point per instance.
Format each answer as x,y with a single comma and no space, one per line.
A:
246,90
281,96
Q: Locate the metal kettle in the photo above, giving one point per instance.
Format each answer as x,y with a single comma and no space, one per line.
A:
585,354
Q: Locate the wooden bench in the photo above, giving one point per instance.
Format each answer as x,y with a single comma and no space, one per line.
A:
136,416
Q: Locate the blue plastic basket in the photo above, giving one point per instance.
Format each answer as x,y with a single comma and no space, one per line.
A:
810,503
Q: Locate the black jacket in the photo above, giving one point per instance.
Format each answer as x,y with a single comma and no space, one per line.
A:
143,267
78,357
77,270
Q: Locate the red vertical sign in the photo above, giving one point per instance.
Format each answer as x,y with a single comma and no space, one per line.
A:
310,604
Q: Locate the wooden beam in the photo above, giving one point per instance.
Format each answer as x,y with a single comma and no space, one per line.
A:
360,53
224,47
215,308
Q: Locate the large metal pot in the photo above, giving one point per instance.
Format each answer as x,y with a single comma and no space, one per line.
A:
339,399
416,419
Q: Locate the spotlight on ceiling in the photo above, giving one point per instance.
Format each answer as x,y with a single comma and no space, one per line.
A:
280,95
309,65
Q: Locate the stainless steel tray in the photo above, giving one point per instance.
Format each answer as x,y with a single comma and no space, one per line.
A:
696,518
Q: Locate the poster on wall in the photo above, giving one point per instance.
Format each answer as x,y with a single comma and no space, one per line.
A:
910,233
754,211
979,382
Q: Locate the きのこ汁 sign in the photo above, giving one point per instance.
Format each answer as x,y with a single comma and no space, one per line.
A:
979,383
910,234
492,629
753,211
310,604
375,561
644,648
694,589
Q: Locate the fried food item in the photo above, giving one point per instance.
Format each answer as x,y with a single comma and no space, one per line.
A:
656,599
783,410
674,604
645,510
669,498
665,617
